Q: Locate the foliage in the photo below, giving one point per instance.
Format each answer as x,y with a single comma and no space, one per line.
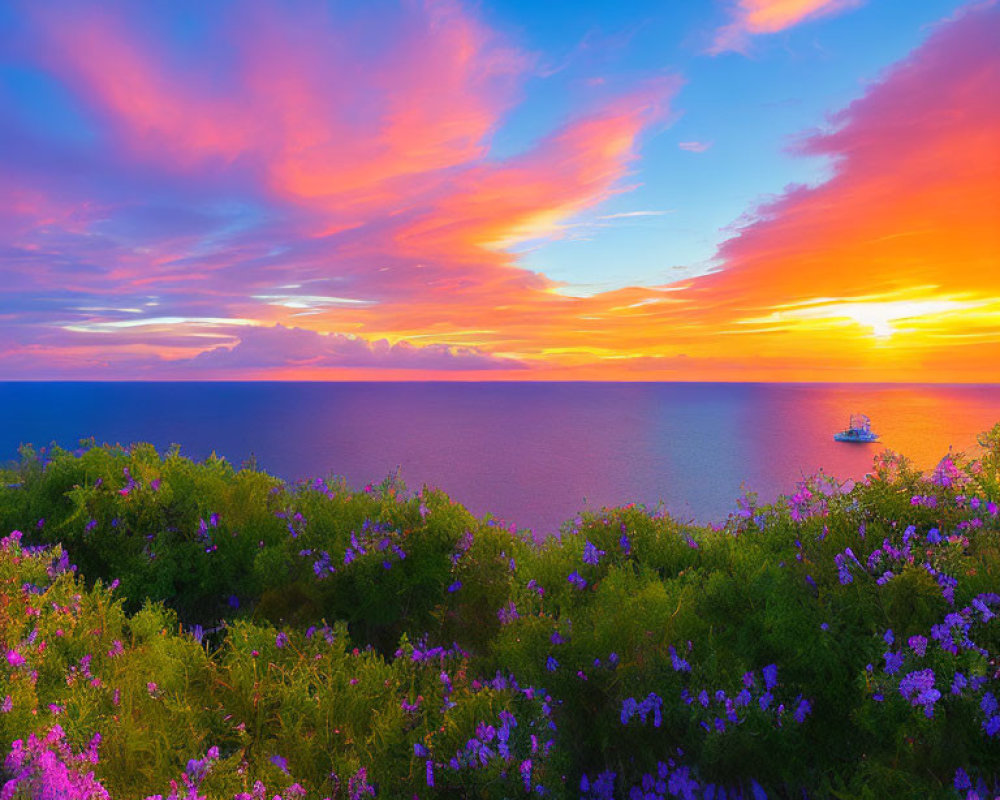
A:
224,635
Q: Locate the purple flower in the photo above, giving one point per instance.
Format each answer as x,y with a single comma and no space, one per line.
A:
280,762
429,770
962,779
525,770
918,688
508,613
918,644
802,710
893,661
281,640
591,555
679,664
15,659
988,704
577,580
770,675
551,664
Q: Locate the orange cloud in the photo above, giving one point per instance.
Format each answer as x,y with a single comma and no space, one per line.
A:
386,219
889,270
755,17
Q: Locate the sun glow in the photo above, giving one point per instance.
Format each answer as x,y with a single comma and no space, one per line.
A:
882,318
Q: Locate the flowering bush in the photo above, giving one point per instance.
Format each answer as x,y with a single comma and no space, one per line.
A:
173,629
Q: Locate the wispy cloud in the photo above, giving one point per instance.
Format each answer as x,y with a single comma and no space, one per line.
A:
340,169
694,147
750,18
630,214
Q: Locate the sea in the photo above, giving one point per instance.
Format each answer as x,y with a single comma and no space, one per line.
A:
533,455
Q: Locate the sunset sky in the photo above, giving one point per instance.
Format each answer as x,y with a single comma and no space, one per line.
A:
772,190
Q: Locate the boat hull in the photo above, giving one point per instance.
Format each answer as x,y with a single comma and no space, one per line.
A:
857,438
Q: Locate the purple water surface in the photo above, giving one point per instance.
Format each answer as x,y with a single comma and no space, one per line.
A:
533,454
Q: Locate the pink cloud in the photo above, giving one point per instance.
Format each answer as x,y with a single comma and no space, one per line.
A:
695,147
755,17
280,347
367,140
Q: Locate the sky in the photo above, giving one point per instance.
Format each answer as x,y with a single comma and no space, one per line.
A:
720,190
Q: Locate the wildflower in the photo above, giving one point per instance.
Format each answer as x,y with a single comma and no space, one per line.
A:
946,473
551,664
770,675
455,586
988,704
525,770
577,580
962,780
7,706
591,555
508,613
430,773
679,664
893,661
281,640
280,762
918,688
918,644
843,571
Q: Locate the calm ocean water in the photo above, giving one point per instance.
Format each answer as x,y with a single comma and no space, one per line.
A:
533,454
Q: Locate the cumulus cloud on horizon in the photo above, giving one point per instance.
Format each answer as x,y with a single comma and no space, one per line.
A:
278,346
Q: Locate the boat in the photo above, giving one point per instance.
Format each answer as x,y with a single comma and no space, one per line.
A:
860,430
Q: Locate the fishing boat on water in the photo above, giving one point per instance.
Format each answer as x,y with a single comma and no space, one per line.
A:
860,430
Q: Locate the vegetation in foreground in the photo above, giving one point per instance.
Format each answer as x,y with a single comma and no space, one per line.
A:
180,629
